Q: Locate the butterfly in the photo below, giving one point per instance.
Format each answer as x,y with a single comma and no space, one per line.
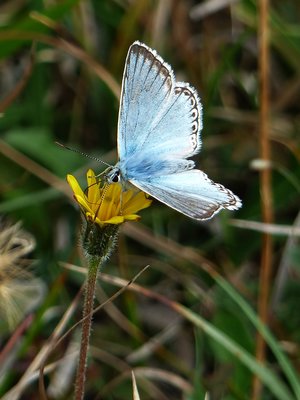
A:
159,127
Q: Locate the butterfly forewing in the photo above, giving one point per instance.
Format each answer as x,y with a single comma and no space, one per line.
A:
179,124
147,84
156,114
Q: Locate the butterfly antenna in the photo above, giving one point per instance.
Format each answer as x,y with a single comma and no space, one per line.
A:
83,154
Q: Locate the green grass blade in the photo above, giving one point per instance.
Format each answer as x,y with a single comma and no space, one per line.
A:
264,331
271,381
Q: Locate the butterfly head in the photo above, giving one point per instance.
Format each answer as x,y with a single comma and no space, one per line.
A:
113,175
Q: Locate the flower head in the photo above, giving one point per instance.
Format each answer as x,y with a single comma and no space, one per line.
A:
107,204
105,207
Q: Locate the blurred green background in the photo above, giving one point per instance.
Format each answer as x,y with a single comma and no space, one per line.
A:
61,65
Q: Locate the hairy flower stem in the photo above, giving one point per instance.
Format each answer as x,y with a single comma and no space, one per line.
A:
94,263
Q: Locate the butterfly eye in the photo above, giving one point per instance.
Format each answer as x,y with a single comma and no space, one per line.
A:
116,178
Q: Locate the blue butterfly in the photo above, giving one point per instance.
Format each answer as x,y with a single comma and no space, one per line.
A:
159,127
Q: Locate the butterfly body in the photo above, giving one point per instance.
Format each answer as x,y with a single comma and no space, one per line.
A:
159,127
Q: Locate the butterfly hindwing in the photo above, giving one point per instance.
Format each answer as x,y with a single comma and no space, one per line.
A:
191,193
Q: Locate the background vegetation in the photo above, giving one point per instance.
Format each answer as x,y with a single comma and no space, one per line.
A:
189,325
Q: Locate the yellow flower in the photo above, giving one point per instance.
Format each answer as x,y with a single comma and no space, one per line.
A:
107,204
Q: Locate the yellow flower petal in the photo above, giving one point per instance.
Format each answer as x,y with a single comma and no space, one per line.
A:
107,210
72,181
138,202
115,220
83,203
91,178
132,217
93,187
